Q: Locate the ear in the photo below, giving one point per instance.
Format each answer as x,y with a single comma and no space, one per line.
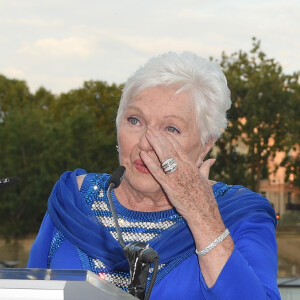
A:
206,149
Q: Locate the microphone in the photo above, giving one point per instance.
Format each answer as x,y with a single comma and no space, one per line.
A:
113,182
9,181
139,255
117,177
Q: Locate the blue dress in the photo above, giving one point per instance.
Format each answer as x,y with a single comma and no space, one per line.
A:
78,233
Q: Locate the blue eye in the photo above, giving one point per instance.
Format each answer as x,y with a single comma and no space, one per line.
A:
133,120
173,129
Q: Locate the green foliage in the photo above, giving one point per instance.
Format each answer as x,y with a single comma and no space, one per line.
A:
265,106
42,136
292,165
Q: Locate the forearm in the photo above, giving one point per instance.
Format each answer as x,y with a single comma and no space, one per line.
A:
204,233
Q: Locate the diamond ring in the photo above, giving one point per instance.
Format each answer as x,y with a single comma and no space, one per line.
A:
169,165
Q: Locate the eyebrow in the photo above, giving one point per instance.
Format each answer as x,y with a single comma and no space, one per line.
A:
130,106
177,117
133,107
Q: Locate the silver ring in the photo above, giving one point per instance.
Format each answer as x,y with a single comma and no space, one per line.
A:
169,165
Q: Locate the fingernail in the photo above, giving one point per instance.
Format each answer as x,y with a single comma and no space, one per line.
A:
212,161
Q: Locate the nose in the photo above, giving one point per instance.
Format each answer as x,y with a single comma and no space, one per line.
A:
144,144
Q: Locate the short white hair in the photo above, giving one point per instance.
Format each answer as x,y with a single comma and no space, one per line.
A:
203,80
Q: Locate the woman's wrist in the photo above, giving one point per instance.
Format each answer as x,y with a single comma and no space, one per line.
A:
205,229
213,244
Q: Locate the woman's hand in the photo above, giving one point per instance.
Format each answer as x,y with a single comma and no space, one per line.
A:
188,188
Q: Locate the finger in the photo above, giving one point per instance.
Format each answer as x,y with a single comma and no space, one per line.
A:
176,145
166,146
161,145
154,157
205,167
152,166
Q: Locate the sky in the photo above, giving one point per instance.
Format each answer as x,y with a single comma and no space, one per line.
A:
59,44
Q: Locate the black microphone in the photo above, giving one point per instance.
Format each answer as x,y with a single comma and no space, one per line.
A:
9,181
117,177
140,256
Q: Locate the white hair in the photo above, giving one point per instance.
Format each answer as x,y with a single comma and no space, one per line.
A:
202,79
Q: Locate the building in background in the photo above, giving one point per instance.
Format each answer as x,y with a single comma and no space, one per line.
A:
284,196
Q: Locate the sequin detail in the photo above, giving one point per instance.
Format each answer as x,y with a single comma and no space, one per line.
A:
220,189
119,279
56,242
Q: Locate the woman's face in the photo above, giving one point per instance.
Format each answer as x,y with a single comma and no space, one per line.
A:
161,110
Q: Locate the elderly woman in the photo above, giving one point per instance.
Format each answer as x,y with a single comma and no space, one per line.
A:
215,241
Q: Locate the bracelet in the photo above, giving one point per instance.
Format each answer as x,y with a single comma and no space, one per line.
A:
216,242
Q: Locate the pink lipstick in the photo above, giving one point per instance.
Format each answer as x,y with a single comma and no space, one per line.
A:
140,166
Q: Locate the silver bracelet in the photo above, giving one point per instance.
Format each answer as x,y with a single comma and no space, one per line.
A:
216,242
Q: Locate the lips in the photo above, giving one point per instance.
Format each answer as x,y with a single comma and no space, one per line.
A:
140,166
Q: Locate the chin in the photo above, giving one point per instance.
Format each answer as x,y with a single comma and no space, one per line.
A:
143,183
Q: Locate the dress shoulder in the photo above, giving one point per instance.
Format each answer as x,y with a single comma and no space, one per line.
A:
239,203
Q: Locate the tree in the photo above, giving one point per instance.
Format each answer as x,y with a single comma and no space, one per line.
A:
85,119
42,136
21,135
260,122
292,159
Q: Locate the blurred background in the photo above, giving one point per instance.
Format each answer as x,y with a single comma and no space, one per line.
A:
62,66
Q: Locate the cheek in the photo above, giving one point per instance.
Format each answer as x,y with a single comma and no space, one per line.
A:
126,144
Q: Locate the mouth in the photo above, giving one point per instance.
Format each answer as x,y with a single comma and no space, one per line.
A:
140,166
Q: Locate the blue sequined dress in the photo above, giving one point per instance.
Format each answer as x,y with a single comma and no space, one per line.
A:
250,272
